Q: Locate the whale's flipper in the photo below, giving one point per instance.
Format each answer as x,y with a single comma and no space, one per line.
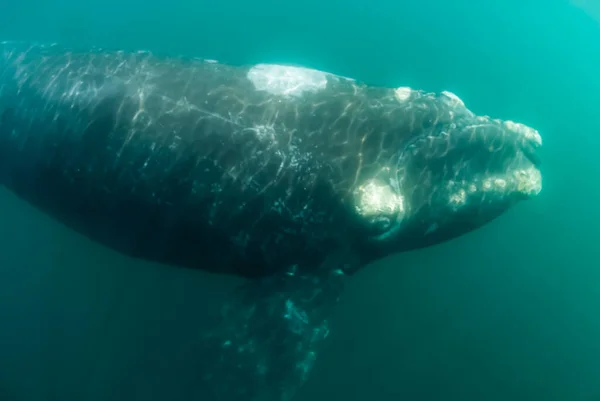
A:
267,342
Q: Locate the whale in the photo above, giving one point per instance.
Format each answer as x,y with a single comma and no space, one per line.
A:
290,177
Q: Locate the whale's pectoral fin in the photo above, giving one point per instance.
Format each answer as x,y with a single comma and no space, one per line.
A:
268,339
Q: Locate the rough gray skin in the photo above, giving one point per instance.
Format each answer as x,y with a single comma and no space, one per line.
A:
291,177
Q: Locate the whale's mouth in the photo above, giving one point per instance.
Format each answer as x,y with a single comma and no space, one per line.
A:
531,153
457,172
462,174
511,172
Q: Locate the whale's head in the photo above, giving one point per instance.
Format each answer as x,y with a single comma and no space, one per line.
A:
455,172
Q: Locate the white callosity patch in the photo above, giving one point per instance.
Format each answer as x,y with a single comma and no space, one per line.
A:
287,80
460,192
524,181
403,93
456,105
528,181
381,206
528,132
453,99
494,184
458,198
453,103
375,198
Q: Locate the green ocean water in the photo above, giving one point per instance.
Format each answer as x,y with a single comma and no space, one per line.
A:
509,312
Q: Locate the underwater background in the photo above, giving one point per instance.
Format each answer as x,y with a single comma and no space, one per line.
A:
509,312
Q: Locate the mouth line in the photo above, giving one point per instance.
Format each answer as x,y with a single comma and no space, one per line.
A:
530,139
532,155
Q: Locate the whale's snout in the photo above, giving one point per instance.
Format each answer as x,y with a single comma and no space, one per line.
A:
465,170
528,161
